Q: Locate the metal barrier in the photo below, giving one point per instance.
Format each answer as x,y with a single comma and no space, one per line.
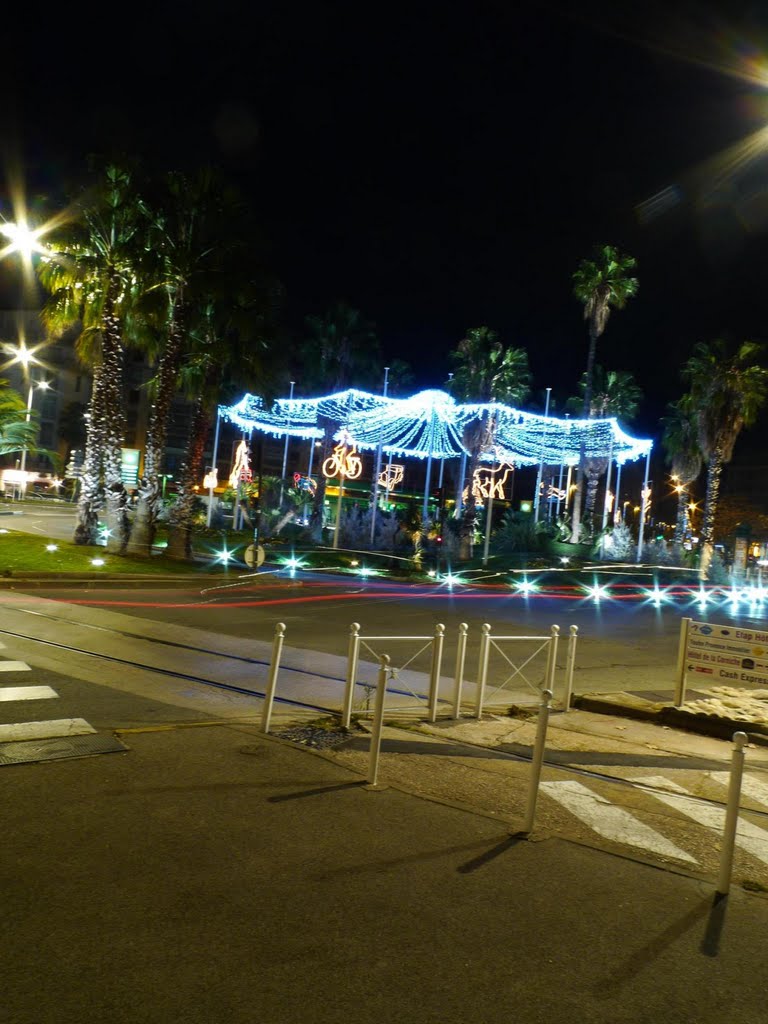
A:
487,642
356,641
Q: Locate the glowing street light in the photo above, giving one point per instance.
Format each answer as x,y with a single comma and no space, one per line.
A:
21,239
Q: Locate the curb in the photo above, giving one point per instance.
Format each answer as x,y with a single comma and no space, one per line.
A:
713,726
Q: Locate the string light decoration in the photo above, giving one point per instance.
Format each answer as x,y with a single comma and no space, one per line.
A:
431,424
241,470
487,483
343,461
391,476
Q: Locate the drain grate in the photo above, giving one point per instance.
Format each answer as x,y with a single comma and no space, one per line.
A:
58,748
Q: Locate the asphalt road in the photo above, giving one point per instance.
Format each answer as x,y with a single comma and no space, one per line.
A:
622,644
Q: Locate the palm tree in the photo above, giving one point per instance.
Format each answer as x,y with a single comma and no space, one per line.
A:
230,342
681,441
191,223
18,427
614,393
92,276
486,372
727,390
601,284
341,347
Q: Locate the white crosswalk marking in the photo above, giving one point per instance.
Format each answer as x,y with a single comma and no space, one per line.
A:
748,836
14,666
44,730
758,791
26,693
611,822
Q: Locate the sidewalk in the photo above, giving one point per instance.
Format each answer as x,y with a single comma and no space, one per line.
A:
212,875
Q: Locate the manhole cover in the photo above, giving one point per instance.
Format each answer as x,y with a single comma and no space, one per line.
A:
58,748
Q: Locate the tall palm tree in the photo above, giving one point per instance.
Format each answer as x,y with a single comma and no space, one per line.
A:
728,387
92,275
680,439
341,349
600,284
486,372
191,222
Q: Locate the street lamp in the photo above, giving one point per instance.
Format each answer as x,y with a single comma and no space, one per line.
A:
41,385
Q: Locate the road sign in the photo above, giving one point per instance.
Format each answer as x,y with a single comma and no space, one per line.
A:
729,653
249,555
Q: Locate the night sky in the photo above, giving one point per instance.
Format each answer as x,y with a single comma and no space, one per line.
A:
445,166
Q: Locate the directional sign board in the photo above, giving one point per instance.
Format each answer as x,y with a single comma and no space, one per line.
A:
713,653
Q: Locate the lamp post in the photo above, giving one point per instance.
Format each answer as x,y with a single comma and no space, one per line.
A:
41,385
541,462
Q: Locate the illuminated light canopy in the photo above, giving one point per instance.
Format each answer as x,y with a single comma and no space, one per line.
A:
432,424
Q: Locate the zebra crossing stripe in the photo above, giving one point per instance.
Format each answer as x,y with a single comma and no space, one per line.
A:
44,730
14,666
748,836
611,822
756,790
26,693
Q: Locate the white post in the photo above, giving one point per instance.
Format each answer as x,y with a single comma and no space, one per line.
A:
461,652
541,462
740,740
309,473
27,418
644,504
378,721
425,506
377,468
460,495
434,674
352,661
274,666
549,678
213,466
568,488
488,512
537,760
570,664
482,668
285,449
607,487
617,505
685,625
338,507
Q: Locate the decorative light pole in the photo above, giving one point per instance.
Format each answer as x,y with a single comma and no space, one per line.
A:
541,461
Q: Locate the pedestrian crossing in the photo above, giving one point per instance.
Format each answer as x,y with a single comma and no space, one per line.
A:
650,798
26,740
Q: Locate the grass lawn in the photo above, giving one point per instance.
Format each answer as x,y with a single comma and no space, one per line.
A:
22,553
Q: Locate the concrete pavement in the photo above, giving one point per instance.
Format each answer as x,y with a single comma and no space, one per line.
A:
212,875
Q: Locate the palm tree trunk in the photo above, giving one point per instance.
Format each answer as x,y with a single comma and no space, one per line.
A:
579,495
148,507
90,501
114,422
682,515
469,512
318,504
182,516
591,501
714,472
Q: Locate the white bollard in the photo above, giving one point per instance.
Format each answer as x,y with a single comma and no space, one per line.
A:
549,675
537,760
461,653
482,668
274,666
352,662
570,665
378,721
434,674
740,739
